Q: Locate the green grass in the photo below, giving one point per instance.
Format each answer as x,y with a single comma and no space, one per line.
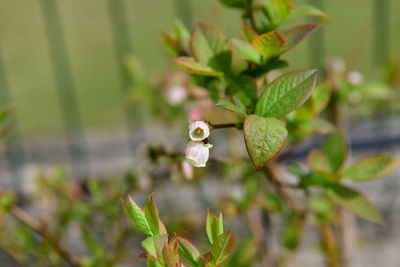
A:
90,44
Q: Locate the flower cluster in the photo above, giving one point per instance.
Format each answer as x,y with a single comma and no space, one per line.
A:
197,150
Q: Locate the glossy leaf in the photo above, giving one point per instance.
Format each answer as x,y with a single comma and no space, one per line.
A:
246,50
222,247
244,88
286,93
214,226
151,213
155,244
232,107
192,66
353,201
297,34
137,216
371,168
278,10
269,44
264,138
209,48
188,252
307,10
335,150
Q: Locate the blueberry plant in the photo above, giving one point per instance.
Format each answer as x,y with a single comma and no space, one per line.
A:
270,113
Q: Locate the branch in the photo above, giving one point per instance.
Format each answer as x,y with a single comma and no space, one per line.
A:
330,245
40,229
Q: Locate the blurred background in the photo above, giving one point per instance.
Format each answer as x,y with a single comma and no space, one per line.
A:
62,71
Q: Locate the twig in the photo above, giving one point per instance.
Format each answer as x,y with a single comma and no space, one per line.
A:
40,229
282,188
330,245
220,126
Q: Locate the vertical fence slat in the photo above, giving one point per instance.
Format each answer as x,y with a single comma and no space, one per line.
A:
14,152
316,43
76,143
183,10
380,32
123,47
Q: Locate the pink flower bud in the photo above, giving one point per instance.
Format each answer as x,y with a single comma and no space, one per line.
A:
187,170
197,153
175,94
199,130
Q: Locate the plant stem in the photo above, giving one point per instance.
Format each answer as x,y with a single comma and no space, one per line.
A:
272,170
330,245
40,229
220,126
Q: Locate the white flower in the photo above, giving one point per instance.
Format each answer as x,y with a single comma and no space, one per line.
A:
176,94
355,78
197,153
199,130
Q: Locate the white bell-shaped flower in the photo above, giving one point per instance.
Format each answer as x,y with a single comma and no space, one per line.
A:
199,130
197,153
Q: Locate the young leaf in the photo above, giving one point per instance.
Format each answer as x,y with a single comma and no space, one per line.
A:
371,167
170,257
269,44
190,65
286,93
321,96
353,201
151,213
307,10
246,50
137,216
318,162
210,49
247,32
335,150
264,138
231,106
155,244
222,247
297,34
188,252
214,226
278,10
244,88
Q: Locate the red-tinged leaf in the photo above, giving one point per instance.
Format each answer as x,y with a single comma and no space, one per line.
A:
269,44
137,216
264,138
151,213
223,247
154,245
192,66
371,168
335,150
188,252
297,34
317,161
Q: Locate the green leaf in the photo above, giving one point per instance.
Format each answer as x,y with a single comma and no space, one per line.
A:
353,201
371,167
222,247
170,256
155,244
307,10
335,150
246,50
278,10
188,252
137,216
286,93
247,32
242,4
264,138
209,48
151,213
232,107
292,234
192,66
317,161
214,226
321,96
297,34
244,88
269,44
